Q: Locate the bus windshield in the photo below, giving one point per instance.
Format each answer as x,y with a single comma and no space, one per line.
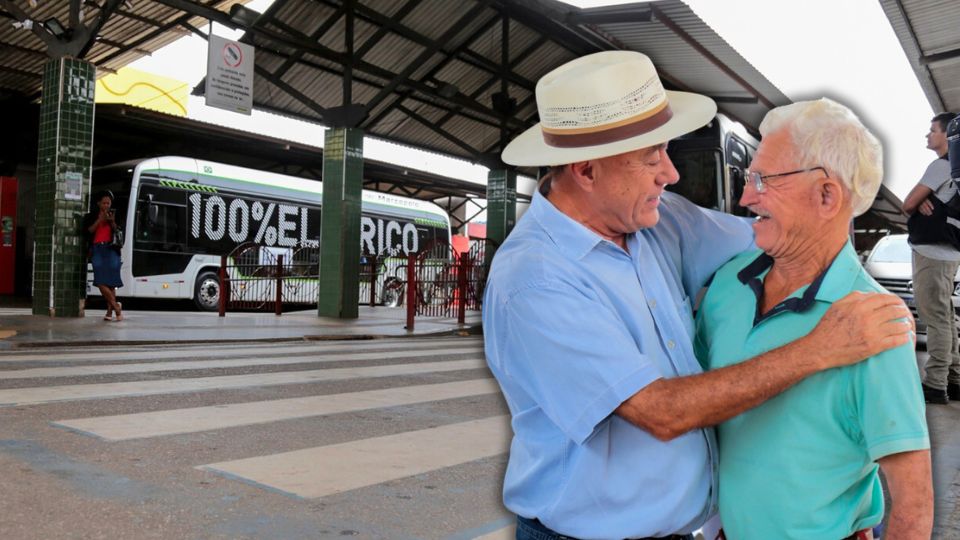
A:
699,175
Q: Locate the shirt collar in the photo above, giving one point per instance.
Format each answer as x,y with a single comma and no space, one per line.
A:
570,236
831,285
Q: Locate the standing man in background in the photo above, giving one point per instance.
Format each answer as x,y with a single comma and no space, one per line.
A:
934,267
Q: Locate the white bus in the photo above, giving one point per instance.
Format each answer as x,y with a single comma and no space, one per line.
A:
181,214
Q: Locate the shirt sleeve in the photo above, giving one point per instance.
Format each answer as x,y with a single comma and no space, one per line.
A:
936,174
706,239
890,403
576,362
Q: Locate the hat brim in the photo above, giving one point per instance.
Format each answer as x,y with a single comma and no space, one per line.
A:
690,111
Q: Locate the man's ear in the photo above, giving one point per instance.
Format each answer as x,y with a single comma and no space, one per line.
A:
831,197
583,174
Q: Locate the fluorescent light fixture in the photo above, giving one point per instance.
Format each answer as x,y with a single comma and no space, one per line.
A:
243,16
54,27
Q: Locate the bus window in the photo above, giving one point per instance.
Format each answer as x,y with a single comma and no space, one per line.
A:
160,225
738,159
699,176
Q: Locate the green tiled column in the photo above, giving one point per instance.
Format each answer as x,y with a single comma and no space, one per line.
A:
64,157
501,207
340,223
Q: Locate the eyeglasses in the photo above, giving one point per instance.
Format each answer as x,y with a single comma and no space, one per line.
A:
760,180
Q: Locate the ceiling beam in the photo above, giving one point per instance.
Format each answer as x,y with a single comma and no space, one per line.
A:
689,40
384,74
432,74
315,36
928,59
106,12
276,81
417,63
160,30
37,27
592,17
462,54
443,133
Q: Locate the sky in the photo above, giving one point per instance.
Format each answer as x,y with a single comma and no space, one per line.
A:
842,49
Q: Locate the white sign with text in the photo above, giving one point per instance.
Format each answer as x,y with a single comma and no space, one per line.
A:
229,75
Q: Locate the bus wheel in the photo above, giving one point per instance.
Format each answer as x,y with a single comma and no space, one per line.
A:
392,295
206,293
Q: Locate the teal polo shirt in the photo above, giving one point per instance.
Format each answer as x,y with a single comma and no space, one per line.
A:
803,464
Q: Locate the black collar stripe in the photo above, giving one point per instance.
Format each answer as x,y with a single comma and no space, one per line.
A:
750,276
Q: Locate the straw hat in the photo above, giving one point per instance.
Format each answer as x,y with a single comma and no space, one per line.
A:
605,104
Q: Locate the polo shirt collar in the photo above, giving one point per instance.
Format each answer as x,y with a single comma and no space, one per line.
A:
831,285
570,236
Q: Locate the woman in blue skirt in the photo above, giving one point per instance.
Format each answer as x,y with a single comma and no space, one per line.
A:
100,225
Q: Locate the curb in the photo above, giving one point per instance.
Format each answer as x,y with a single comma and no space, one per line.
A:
463,332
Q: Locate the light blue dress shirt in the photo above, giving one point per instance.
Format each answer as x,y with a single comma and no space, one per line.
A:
573,326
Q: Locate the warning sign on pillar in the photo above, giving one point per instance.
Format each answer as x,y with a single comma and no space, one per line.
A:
229,75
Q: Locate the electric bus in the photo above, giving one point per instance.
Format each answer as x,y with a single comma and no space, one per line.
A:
711,162
182,214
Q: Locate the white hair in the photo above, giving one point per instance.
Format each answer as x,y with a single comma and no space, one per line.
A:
828,134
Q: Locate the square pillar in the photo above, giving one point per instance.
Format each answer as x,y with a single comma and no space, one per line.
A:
501,207
64,158
340,223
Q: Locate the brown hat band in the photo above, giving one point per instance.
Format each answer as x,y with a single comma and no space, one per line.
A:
613,134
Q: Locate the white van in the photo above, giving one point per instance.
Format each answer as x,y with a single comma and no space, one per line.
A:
891,264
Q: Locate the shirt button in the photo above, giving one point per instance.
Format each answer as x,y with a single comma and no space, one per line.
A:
653,303
671,344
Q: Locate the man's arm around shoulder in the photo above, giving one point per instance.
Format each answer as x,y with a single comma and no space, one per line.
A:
857,327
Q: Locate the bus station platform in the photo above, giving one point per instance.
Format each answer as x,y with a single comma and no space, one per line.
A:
20,328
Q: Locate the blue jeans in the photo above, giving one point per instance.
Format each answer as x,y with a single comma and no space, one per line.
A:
531,529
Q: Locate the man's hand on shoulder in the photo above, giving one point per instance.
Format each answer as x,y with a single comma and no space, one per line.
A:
859,326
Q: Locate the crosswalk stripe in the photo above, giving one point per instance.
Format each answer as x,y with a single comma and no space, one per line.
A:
214,352
326,470
178,421
38,395
153,367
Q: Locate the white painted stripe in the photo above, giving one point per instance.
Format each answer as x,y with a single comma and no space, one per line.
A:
154,367
326,470
153,424
27,396
220,350
507,533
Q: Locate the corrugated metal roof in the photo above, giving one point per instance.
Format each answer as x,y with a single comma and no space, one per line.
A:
427,73
134,30
929,32
441,62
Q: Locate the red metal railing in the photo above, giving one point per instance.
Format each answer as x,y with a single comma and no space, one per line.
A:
257,278
444,283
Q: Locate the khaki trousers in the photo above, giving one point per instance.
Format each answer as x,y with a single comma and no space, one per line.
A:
932,289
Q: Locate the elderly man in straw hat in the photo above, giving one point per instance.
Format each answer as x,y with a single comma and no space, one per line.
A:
588,323
804,464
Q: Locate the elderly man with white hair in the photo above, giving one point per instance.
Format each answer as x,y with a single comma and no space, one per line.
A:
804,464
588,324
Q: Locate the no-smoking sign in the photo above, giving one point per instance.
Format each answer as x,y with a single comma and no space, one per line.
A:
229,83
232,55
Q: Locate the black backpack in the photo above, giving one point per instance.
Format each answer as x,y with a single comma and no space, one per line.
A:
943,226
